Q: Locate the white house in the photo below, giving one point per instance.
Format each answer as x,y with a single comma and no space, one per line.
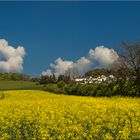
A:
99,79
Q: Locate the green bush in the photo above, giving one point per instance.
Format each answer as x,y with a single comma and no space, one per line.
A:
61,84
53,88
118,88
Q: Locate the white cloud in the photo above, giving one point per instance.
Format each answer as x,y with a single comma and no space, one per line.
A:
82,65
11,59
61,66
47,72
100,55
103,55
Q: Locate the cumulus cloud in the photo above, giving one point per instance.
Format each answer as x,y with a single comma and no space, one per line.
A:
47,72
98,57
82,65
104,56
61,66
11,59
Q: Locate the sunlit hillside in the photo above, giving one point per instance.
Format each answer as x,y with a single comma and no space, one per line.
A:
28,114
11,85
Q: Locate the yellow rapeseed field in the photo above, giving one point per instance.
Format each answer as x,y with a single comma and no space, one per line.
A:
29,114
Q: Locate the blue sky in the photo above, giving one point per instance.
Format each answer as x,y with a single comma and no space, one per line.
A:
48,30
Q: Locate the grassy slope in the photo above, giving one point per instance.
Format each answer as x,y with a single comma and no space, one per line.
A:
10,85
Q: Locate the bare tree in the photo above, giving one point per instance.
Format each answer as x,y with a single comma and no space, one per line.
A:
128,64
72,73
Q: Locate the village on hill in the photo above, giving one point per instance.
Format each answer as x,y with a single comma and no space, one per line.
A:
99,79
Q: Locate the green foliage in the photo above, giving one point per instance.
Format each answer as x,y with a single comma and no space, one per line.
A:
126,83
14,76
96,90
47,79
53,88
61,84
64,78
53,80
99,72
35,79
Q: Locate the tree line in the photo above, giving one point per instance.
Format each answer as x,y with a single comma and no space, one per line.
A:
14,76
126,69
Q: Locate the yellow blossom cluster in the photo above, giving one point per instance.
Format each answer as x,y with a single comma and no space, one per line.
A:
37,115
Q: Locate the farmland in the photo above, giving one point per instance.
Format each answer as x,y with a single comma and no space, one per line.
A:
12,84
32,114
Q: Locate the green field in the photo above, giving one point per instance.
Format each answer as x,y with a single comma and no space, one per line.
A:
11,85
39,115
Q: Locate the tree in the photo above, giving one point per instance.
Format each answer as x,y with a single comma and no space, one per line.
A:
47,79
14,76
72,73
98,72
64,78
128,64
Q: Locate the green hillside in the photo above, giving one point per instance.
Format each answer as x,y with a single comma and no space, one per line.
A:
11,85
